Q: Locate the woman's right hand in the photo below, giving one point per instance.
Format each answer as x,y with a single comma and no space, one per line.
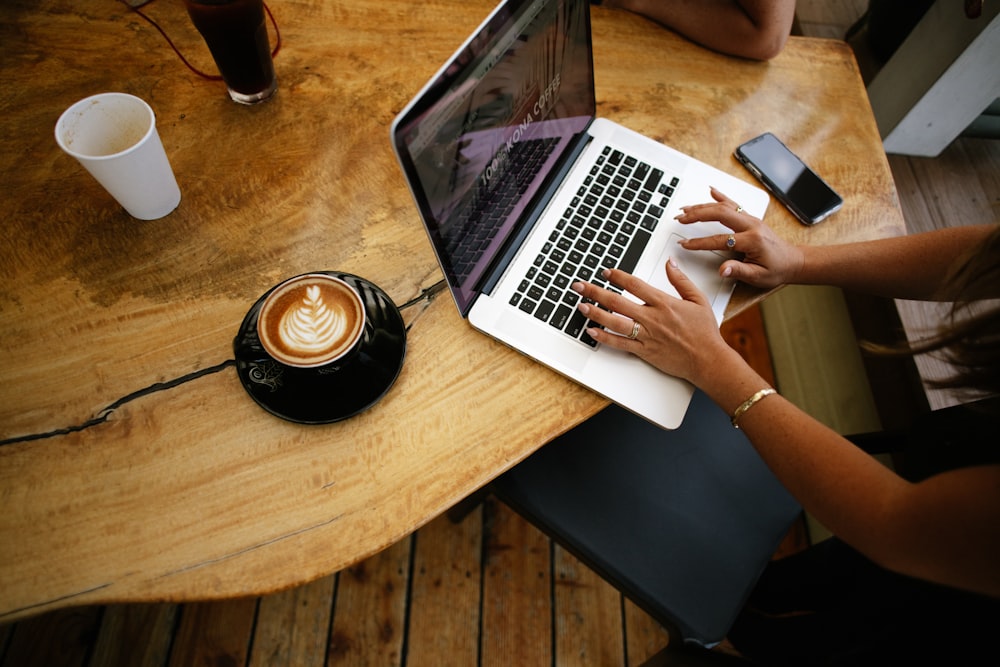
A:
768,260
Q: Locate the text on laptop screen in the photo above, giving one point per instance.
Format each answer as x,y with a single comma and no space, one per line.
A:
499,116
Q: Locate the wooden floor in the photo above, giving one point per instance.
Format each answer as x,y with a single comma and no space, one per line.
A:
490,590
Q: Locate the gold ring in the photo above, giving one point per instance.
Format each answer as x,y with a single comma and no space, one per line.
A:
635,331
731,241
739,209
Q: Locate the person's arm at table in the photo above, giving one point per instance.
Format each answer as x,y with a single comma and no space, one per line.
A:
945,529
905,267
756,29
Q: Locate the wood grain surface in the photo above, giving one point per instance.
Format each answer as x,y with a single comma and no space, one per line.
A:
190,491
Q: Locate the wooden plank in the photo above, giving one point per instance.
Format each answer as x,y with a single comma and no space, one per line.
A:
293,626
135,635
214,633
644,637
588,615
58,639
517,591
745,334
370,611
445,593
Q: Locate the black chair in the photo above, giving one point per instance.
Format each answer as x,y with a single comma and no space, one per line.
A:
682,522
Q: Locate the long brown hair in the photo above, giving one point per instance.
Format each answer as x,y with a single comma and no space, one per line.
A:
969,340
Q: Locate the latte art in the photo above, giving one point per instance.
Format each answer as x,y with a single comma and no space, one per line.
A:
312,327
310,320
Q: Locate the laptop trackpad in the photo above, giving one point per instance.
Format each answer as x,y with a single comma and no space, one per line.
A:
701,266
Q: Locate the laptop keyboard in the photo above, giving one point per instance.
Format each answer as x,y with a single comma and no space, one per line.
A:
607,225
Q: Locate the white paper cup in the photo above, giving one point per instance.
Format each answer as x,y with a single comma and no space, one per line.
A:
113,135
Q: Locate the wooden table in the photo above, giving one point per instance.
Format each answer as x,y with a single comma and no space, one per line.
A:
192,491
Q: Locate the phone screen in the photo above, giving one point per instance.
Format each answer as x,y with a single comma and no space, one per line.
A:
789,179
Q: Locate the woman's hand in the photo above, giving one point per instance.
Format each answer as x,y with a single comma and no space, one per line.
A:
678,336
768,261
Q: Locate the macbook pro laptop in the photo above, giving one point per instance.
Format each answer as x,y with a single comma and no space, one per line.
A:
523,190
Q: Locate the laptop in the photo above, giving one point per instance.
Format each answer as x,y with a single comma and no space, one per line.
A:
523,190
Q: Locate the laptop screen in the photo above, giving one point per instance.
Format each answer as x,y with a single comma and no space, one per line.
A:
480,141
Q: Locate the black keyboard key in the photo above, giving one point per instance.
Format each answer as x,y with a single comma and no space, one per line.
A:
544,310
653,180
634,251
562,316
642,171
576,324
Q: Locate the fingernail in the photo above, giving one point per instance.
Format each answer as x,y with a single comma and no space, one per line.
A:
584,308
606,273
577,287
726,272
672,263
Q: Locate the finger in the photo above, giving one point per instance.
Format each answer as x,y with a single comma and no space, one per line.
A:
712,242
685,286
717,212
619,324
747,272
635,286
719,196
623,343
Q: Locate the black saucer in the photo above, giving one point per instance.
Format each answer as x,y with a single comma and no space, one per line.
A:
325,395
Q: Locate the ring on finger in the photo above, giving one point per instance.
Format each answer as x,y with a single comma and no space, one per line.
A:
739,209
731,241
635,331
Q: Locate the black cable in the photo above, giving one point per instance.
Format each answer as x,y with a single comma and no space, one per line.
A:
106,412
426,294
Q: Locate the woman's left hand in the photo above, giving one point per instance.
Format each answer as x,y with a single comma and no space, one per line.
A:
678,336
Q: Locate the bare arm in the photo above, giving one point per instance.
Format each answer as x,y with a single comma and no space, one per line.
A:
945,529
755,29
905,267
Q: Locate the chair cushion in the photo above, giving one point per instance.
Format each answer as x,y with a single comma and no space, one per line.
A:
682,522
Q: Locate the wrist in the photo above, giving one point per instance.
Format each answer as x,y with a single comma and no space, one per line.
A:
798,273
729,380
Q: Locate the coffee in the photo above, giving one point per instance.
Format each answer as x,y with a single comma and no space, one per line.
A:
236,35
311,320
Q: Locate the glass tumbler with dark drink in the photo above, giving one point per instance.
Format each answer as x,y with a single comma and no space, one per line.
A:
236,34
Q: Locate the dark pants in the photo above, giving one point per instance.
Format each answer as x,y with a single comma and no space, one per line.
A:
828,605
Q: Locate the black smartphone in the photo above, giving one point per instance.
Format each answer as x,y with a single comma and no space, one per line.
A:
788,178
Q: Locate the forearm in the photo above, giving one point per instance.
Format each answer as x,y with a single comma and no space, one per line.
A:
943,529
905,267
755,29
